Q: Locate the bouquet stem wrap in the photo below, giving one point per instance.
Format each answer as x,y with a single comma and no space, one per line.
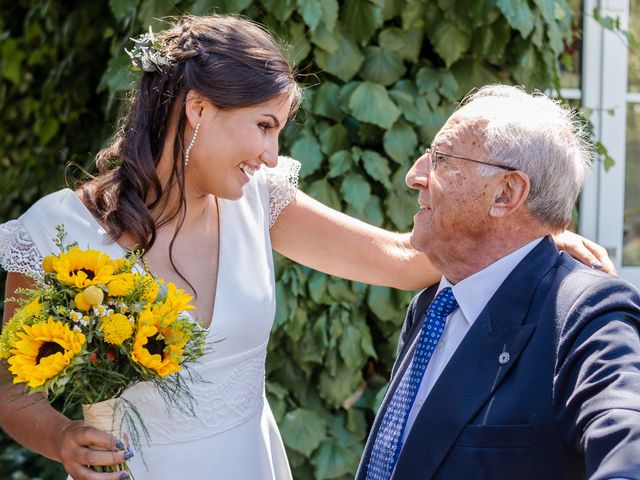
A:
107,416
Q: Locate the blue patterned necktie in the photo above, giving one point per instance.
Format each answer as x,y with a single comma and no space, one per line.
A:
388,441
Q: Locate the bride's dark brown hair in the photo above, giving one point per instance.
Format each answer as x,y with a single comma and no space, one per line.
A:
229,60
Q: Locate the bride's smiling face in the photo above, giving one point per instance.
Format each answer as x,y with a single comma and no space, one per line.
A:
232,144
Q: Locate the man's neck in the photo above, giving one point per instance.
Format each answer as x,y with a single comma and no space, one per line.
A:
471,256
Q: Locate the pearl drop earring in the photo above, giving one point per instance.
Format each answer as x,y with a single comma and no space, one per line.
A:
191,143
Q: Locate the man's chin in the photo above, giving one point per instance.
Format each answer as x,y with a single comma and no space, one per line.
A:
419,241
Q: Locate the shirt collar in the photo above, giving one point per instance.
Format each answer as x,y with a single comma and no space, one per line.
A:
474,292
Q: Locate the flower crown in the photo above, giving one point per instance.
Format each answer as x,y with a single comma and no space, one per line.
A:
147,54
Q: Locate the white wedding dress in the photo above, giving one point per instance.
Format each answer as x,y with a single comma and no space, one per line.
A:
233,435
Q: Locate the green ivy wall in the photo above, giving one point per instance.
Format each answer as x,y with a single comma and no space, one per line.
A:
381,77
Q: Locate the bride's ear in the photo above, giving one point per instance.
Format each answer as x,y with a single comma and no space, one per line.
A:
194,105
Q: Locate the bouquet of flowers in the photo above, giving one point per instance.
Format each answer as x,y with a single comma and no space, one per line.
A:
94,326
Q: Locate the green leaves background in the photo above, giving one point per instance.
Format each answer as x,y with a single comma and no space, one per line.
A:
381,77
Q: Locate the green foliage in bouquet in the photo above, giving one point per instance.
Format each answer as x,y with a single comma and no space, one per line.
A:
381,78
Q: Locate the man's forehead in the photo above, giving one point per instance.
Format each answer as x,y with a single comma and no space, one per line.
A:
461,129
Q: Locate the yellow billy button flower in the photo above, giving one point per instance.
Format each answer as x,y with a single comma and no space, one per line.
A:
82,268
81,303
116,328
121,285
93,295
43,351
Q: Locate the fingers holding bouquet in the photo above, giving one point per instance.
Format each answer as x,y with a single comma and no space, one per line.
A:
81,445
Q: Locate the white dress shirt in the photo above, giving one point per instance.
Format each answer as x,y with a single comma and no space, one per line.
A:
473,293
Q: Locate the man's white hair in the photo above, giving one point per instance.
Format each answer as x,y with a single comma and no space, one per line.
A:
540,137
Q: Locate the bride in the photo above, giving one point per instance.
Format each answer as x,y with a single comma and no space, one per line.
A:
193,178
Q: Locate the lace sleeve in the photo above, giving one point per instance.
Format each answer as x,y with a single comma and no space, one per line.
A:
283,185
18,252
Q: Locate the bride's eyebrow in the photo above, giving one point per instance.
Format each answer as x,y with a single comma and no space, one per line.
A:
274,118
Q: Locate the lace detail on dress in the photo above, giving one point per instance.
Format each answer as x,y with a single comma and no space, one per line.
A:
283,185
18,252
233,397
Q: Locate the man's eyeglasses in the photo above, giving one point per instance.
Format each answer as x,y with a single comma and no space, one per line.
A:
435,157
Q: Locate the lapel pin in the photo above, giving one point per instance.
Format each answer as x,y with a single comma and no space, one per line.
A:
504,358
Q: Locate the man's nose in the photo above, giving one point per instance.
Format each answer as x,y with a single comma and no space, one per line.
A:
418,175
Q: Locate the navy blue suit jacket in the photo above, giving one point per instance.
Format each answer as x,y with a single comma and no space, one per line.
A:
566,405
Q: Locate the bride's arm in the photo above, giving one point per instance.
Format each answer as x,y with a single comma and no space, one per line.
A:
32,422
319,237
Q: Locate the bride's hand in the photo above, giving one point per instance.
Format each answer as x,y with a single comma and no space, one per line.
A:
585,251
81,445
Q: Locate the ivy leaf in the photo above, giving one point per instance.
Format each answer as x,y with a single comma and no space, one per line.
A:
334,460
117,77
280,9
322,191
345,61
527,65
377,167
448,41
373,213
356,191
317,286
413,14
519,15
234,6
472,74
400,142
325,102
555,38
382,66
380,301
298,46
329,13
407,44
339,163
335,389
334,139
150,12
303,430
340,291
122,9
361,18
307,151
400,208
46,128
325,39
350,349
406,103
311,11
371,103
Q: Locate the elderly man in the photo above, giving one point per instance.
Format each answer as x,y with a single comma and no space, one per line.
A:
526,364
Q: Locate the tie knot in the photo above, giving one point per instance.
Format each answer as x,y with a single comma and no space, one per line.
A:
444,303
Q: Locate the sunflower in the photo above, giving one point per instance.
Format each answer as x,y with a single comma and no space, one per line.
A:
158,345
116,328
83,268
175,301
43,351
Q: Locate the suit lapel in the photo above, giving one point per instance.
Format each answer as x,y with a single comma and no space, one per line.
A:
474,371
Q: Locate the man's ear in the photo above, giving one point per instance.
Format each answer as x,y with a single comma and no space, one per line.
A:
510,194
194,105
